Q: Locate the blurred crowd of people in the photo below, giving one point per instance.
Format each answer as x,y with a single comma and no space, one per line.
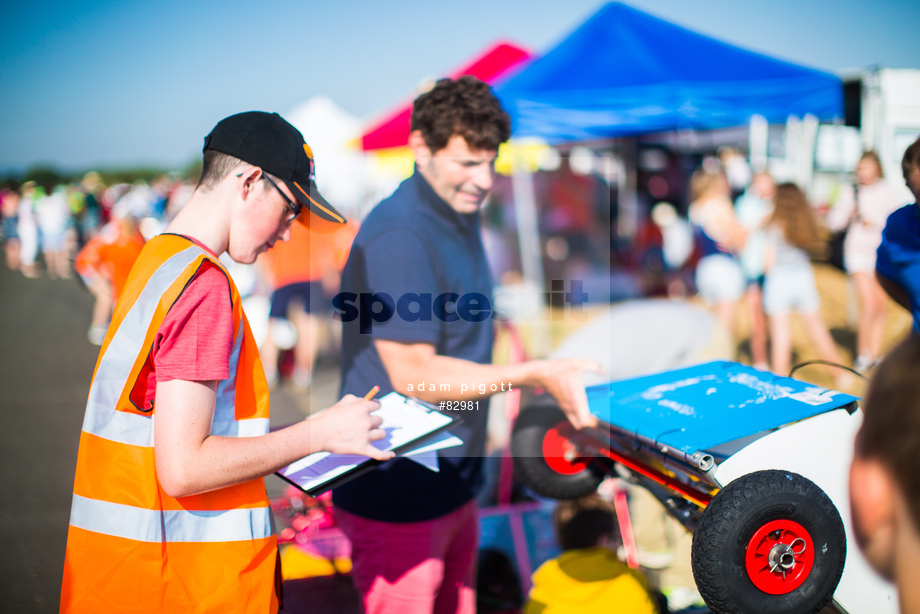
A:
755,252
45,224
93,232
86,229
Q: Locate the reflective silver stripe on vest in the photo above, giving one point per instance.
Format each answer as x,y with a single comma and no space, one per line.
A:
225,403
145,525
253,427
101,418
225,423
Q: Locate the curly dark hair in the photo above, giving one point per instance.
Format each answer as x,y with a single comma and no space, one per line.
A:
465,106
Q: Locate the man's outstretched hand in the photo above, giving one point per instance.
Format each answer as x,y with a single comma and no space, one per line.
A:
562,378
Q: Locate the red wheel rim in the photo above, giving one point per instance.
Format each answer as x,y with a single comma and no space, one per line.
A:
560,453
779,557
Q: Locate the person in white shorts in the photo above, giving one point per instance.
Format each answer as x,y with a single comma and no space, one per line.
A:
719,279
789,284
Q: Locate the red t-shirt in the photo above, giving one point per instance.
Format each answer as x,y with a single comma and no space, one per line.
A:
196,336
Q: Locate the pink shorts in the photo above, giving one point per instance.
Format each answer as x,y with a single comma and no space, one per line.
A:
415,567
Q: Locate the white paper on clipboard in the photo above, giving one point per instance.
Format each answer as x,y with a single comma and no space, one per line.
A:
427,454
404,421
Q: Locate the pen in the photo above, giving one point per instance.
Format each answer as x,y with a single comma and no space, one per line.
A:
373,391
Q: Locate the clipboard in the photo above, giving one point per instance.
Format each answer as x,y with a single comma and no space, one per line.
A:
408,422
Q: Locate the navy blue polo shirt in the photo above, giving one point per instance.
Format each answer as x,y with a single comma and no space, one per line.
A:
899,255
416,266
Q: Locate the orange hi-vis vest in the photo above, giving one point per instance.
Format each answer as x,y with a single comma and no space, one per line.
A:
131,547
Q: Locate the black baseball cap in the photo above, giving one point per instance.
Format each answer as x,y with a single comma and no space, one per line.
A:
266,140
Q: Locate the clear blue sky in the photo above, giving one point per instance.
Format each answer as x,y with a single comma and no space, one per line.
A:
122,83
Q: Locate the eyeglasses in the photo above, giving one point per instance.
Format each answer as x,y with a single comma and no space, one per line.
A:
295,208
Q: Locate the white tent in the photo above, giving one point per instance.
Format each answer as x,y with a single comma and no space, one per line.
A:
331,132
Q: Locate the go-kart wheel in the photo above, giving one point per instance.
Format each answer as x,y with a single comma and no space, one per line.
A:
770,542
546,460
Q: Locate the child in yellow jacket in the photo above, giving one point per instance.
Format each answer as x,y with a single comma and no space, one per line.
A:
588,577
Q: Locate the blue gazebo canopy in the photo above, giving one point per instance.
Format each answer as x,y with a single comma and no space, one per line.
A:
624,72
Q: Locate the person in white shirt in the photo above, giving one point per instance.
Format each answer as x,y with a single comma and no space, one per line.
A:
863,209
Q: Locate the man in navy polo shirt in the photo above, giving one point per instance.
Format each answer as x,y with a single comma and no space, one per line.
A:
897,266
419,262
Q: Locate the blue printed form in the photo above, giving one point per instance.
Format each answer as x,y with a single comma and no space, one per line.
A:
700,407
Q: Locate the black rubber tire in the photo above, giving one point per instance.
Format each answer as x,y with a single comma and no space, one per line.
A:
729,522
531,467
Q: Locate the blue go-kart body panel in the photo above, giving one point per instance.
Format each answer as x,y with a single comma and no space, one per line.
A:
700,408
687,433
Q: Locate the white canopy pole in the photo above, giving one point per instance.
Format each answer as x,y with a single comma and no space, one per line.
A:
758,138
525,213
627,200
